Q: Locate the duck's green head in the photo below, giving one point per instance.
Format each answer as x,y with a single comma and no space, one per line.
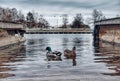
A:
48,49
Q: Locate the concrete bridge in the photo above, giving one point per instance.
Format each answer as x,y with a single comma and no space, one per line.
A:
107,30
12,27
17,27
108,21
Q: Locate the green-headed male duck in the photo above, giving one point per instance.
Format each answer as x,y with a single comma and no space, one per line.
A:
55,56
70,54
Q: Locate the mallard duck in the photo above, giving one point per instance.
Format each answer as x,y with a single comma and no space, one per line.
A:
70,54
56,55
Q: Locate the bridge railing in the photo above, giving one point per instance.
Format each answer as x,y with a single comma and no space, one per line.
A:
11,25
108,21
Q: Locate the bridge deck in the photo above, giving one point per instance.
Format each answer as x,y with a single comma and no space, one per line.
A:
7,25
112,21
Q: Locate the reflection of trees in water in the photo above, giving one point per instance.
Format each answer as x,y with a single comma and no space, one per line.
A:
30,42
77,42
11,56
33,41
35,44
65,43
40,42
110,55
37,47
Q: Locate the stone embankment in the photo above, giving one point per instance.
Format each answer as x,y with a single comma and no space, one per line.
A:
110,34
8,40
107,30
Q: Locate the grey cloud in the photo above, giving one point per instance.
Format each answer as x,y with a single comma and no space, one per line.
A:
75,4
65,5
71,3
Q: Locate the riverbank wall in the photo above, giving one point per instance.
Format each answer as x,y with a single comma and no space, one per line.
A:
107,31
9,39
110,34
10,34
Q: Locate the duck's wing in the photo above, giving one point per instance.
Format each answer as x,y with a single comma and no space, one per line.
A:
57,53
50,54
67,51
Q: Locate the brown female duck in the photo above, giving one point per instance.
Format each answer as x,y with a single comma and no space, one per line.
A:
70,54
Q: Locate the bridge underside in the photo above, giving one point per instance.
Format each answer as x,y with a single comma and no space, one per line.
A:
13,31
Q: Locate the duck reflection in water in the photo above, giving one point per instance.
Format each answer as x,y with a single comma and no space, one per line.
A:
53,56
71,54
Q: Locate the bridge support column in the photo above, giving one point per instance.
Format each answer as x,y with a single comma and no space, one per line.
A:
96,35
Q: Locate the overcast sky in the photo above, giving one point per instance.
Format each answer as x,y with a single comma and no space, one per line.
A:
58,7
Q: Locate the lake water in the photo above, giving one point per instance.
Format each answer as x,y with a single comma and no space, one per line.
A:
28,62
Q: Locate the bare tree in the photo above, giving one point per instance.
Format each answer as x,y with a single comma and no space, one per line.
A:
7,14
36,16
43,23
65,20
30,20
1,13
21,17
78,21
14,14
97,15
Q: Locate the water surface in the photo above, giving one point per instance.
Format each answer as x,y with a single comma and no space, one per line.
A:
28,62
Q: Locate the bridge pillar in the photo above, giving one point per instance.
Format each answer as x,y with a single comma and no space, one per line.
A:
96,35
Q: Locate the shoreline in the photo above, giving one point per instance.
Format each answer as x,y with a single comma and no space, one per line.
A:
7,40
